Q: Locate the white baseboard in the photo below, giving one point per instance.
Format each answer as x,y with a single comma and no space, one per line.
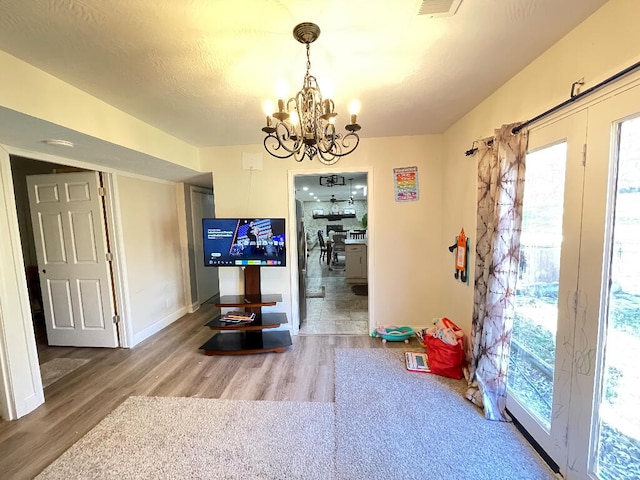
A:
193,307
159,325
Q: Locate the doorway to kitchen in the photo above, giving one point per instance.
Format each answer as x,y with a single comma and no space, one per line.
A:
332,227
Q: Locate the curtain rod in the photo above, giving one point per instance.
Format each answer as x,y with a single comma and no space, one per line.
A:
474,149
572,99
580,95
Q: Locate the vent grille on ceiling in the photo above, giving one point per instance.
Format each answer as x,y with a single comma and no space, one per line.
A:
439,8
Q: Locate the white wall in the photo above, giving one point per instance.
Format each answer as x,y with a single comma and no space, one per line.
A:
152,249
404,237
602,45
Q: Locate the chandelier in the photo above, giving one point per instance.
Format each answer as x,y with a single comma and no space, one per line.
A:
305,125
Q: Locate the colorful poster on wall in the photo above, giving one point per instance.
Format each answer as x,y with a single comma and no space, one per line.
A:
406,184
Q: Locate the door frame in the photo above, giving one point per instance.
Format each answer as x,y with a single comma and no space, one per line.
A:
21,388
192,237
293,229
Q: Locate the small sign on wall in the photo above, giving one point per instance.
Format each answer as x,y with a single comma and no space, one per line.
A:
406,184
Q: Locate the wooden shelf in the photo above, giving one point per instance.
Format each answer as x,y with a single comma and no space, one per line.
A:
337,216
245,343
248,338
249,301
261,322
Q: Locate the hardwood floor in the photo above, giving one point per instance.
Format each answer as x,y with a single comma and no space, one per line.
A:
167,364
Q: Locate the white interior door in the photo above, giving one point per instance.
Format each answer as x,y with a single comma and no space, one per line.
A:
71,248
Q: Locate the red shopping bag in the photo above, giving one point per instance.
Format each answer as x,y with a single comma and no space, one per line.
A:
445,359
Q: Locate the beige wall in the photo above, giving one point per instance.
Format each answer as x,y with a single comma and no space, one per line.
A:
29,90
604,44
404,237
152,249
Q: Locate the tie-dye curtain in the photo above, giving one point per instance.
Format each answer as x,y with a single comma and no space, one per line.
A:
501,169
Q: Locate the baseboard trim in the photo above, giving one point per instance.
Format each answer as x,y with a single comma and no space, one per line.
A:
193,307
159,325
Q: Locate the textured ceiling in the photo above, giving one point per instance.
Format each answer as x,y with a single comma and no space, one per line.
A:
201,69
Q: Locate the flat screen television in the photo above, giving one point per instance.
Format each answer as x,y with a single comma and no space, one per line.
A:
238,242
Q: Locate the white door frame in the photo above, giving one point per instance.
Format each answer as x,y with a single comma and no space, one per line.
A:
293,247
20,380
118,265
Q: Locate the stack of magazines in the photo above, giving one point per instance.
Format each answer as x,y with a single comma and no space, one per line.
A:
238,317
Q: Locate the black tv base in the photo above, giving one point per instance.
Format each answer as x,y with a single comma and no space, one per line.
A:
253,337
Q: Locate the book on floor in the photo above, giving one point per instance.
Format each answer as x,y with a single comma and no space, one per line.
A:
417,362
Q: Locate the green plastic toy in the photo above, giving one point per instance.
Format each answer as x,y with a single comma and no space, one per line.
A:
393,333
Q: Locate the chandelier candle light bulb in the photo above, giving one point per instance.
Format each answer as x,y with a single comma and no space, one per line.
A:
306,128
268,110
354,109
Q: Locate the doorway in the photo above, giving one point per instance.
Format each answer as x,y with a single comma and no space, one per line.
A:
66,311
332,219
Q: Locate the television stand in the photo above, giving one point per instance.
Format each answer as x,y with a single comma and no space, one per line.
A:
248,338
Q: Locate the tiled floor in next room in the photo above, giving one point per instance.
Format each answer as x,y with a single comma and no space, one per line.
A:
340,311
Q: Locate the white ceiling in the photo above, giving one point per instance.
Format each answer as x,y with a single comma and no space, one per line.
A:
201,69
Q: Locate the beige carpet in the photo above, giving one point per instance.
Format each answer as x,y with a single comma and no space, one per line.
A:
386,423
171,438
55,369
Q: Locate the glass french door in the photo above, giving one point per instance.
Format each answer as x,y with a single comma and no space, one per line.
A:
538,382
574,380
606,429
617,431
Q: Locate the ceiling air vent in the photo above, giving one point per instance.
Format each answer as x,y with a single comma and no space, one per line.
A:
439,8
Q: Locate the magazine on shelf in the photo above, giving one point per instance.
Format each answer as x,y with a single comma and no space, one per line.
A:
238,317
417,362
